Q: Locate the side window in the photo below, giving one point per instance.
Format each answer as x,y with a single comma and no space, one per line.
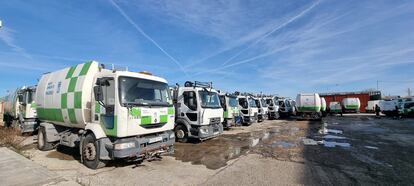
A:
190,100
223,102
109,96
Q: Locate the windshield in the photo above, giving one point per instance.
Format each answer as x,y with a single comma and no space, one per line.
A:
137,91
269,101
252,103
257,103
264,104
209,99
242,102
233,102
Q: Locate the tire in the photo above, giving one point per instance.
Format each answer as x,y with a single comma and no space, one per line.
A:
42,143
91,152
181,133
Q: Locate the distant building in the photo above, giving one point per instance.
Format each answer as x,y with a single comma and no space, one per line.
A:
364,97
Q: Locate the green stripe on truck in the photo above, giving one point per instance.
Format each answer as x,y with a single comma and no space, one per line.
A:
72,116
50,114
64,101
171,110
71,71
72,84
136,112
146,120
301,109
85,68
113,131
163,118
97,108
78,100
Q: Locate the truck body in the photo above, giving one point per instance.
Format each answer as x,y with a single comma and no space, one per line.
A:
335,107
20,109
248,109
370,108
264,107
388,107
229,104
351,105
109,114
198,111
273,107
308,106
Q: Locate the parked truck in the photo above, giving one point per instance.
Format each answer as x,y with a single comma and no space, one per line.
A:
260,110
199,113
351,105
265,108
323,107
284,107
273,107
335,108
108,114
229,104
248,109
20,109
308,106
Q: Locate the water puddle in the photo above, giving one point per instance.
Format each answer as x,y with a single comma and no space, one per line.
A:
277,142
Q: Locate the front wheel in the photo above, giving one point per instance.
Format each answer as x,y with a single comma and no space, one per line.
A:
91,153
181,134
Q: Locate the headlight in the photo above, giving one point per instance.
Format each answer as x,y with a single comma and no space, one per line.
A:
204,131
172,135
128,145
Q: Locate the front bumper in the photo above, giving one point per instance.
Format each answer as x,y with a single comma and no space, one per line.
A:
29,126
206,131
143,146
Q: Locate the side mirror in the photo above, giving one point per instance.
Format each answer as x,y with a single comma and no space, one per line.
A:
97,90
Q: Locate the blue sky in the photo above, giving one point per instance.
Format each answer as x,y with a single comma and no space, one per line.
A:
280,47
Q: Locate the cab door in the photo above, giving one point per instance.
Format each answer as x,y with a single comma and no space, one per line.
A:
105,111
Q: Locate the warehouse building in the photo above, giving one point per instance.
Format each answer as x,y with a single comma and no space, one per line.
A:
364,97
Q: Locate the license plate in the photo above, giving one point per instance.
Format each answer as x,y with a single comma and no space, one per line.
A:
153,140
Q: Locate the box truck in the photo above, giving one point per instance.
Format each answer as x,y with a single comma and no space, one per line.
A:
20,109
335,108
351,105
198,111
108,114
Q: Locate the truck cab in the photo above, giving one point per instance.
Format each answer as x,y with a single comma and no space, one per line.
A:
229,104
248,109
20,109
199,113
273,107
284,107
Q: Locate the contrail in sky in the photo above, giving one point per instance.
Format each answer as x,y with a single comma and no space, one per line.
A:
272,31
122,12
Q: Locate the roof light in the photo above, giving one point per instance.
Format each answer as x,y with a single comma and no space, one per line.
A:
145,72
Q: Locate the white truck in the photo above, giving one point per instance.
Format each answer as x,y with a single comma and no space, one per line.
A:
264,107
323,106
230,107
273,107
284,107
308,106
260,109
248,109
20,109
198,111
109,114
351,105
335,108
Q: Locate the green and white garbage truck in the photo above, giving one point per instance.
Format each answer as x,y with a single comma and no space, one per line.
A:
20,109
199,114
108,114
230,107
351,105
308,106
335,108
248,109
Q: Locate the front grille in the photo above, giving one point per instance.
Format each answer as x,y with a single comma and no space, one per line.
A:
215,120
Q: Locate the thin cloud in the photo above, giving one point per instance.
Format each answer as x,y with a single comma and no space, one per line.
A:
298,16
6,35
127,18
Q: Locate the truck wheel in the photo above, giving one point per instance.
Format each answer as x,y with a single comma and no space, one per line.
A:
181,134
42,143
91,153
